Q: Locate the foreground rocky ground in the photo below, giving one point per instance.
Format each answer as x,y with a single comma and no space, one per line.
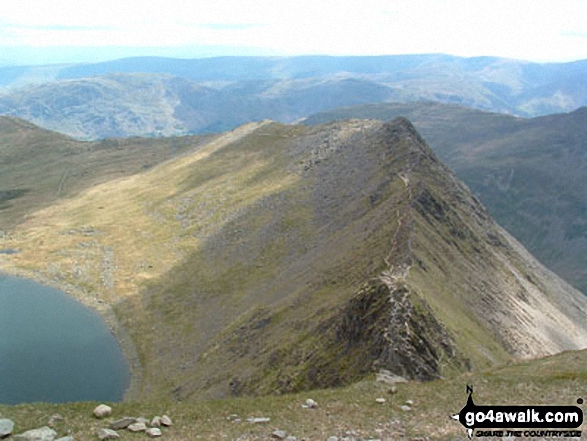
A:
370,410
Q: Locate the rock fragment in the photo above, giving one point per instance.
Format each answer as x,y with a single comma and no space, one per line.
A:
259,420
102,411
153,432
122,423
279,434
42,434
6,427
137,427
108,434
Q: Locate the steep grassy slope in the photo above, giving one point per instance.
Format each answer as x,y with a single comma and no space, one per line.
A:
528,172
39,167
282,258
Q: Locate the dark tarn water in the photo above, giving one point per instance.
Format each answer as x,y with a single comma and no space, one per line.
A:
54,349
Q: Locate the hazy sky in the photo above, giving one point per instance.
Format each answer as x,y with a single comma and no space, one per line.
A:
69,30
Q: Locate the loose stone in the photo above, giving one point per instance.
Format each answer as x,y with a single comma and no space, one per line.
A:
42,434
6,427
153,432
102,411
122,423
258,420
108,434
279,434
137,427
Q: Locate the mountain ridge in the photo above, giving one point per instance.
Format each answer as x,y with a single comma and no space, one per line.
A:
325,254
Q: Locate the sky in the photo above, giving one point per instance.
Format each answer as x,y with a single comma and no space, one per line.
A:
56,31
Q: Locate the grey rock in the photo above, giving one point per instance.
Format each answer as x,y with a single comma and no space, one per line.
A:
102,411
279,434
385,376
122,423
142,420
137,427
409,402
153,432
108,434
166,421
42,434
156,421
6,427
258,420
66,438
56,418
405,408
310,404
380,400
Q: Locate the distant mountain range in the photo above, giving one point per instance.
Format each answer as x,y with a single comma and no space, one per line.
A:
277,258
161,97
530,173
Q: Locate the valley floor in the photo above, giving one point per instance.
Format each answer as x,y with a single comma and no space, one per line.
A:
350,413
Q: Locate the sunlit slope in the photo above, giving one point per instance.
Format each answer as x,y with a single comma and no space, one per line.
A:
39,167
281,258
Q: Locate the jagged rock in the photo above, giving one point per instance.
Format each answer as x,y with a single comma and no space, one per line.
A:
258,420
137,427
279,434
166,421
42,434
153,432
6,427
102,411
310,404
108,434
122,423
380,400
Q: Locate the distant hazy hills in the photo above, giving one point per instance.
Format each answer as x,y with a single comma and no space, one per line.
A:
276,258
160,97
530,173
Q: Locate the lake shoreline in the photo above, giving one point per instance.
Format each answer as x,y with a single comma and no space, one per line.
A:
107,314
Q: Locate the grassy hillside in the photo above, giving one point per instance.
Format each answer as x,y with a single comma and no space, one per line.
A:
279,258
528,172
40,167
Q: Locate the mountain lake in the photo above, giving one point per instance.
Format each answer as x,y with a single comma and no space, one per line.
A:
54,349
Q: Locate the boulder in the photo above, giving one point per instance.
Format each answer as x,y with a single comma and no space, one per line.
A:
153,432
6,427
137,427
279,434
122,423
108,434
102,411
42,434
